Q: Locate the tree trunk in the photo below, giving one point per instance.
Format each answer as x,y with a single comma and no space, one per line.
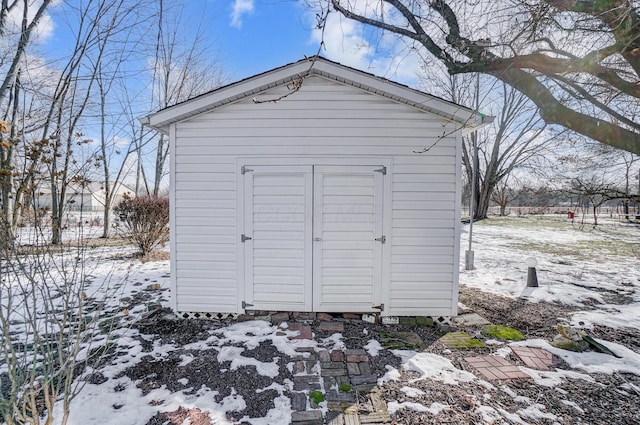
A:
626,210
161,156
27,29
483,203
105,166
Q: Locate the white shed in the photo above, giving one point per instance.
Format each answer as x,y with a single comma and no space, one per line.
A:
315,187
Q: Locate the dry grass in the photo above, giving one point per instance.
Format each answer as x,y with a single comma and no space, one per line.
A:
155,256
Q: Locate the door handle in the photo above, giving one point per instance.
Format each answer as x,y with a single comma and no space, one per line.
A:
317,239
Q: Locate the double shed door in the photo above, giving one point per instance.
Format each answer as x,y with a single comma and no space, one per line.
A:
313,238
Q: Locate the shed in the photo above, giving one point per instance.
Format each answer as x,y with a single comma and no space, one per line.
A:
315,187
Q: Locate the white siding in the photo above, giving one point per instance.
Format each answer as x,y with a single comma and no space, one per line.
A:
324,121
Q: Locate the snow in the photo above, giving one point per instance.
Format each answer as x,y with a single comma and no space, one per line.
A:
433,366
373,347
576,267
434,408
572,404
392,374
613,316
591,361
333,342
588,277
412,392
535,411
280,414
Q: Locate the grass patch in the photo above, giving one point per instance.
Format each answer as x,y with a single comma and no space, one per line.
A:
593,250
532,222
503,332
345,388
607,241
316,396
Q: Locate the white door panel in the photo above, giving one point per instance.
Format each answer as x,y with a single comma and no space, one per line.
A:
278,202
313,233
347,220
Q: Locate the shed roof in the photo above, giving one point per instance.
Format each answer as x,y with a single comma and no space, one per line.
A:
315,66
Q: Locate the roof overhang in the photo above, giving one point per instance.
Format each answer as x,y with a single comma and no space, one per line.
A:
467,119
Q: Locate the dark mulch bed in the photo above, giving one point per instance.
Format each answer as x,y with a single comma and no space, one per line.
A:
610,399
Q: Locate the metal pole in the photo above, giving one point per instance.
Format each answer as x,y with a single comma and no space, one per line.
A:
468,255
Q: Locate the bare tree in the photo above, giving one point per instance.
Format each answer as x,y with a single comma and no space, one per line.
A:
17,41
109,78
577,61
49,313
592,190
502,195
28,25
103,34
182,69
516,136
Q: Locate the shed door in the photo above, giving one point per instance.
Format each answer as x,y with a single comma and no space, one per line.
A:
347,260
278,256
313,232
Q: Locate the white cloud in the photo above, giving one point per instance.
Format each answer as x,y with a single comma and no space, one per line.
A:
343,42
43,31
387,55
240,8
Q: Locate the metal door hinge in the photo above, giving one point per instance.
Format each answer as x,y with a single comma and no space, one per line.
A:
382,239
244,238
244,170
379,307
245,305
382,170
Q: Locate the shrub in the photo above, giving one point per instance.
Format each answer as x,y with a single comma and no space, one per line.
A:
147,220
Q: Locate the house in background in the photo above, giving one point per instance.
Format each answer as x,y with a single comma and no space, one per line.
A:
90,198
315,187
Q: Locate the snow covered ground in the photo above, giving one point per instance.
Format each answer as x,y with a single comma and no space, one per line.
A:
576,265
592,270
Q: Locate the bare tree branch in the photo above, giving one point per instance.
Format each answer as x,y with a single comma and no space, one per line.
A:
538,64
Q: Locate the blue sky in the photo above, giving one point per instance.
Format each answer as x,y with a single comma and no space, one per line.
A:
253,36
257,35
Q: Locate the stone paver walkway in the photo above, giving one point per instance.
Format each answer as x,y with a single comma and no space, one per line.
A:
535,358
341,374
496,368
305,330
338,374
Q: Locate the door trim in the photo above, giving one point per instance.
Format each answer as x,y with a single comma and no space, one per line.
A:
384,287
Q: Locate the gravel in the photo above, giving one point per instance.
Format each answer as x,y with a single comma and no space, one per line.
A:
609,399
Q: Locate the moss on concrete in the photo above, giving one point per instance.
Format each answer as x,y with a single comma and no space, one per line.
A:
461,340
503,332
